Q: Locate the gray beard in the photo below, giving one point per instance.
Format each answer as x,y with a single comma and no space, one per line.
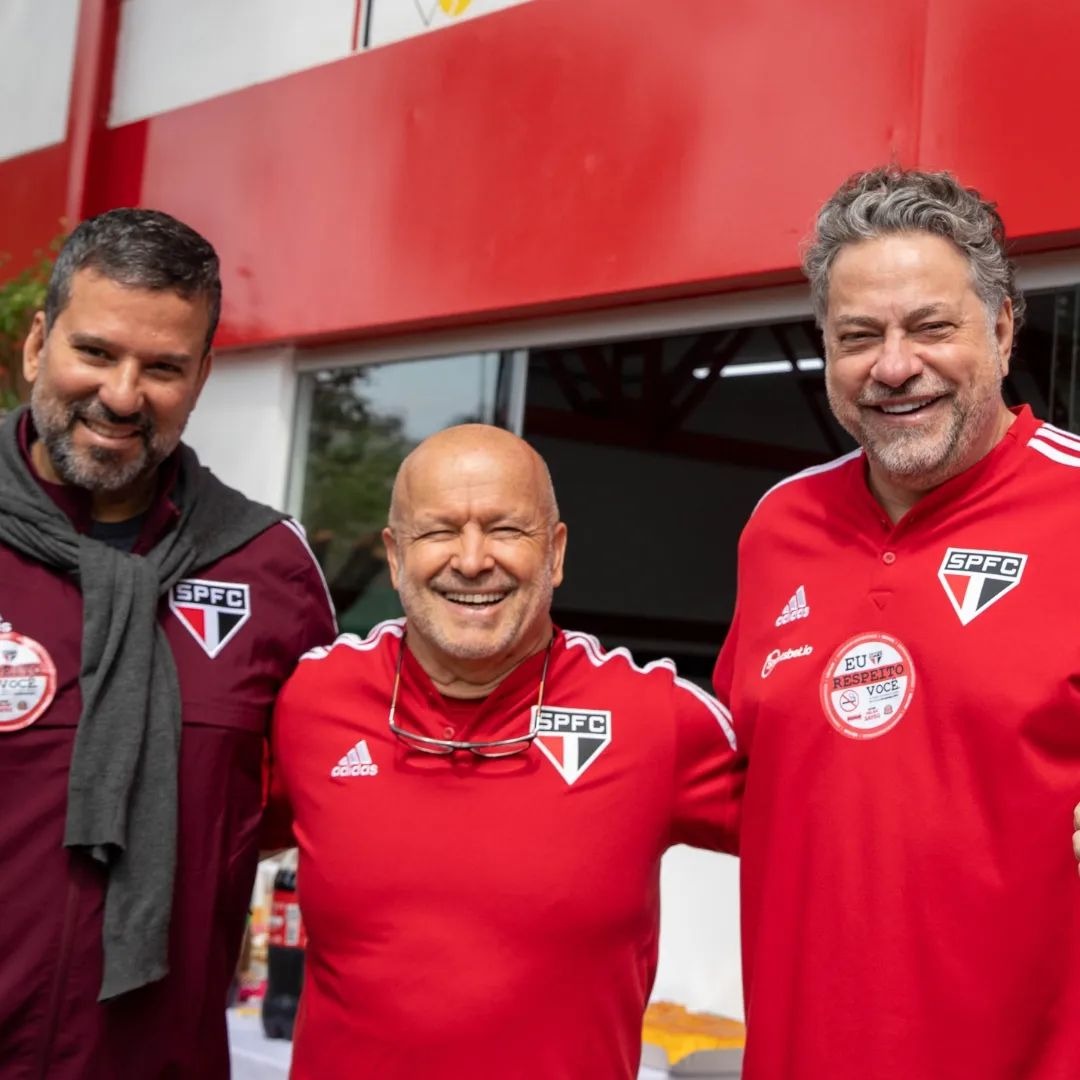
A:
98,468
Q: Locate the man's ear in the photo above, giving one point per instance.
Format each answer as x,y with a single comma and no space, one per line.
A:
33,347
393,556
1004,326
558,553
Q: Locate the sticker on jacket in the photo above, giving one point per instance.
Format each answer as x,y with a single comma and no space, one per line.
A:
572,739
211,611
27,681
867,686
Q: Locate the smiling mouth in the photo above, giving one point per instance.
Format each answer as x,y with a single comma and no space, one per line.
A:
475,600
905,408
104,431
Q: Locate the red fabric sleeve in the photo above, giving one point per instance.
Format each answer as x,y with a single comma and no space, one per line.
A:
709,773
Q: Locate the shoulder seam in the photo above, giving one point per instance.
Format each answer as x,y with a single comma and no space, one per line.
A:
298,531
392,627
805,474
598,656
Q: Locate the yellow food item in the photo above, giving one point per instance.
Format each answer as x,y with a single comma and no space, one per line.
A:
680,1032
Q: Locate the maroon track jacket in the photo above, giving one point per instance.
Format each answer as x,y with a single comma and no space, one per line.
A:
235,640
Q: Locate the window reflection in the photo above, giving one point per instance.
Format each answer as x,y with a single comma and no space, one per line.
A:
360,424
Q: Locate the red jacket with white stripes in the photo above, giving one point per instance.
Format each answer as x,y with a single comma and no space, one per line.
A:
233,648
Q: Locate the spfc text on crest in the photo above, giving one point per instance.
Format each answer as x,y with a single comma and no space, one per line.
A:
974,579
572,739
211,611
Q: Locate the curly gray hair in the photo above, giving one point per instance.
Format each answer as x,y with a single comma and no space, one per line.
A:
894,200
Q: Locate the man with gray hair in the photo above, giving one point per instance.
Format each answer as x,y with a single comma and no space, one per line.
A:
913,733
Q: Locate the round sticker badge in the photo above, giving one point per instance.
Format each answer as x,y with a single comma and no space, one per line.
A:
27,681
867,685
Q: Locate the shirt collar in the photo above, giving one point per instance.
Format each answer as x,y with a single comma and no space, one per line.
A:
958,487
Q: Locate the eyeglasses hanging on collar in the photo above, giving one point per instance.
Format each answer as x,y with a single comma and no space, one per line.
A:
494,748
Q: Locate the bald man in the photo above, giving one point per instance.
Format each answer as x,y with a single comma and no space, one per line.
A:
481,800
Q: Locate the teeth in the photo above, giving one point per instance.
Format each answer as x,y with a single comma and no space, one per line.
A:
475,598
109,433
896,409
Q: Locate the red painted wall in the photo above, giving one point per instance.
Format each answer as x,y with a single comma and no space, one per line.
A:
571,153
32,193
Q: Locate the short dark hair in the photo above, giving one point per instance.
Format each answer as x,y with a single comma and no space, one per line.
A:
146,249
891,200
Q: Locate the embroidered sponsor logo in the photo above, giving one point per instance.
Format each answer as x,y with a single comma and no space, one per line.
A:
777,657
356,762
572,739
974,579
795,608
212,611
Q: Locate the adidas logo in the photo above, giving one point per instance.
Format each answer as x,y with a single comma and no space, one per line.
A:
357,762
795,608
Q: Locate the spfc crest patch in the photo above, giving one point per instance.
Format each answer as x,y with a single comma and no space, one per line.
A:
975,579
572,739
212,611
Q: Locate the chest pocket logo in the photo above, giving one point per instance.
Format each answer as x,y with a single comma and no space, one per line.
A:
211,611
974,579
572,739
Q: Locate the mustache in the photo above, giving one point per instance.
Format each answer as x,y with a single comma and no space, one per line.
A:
96,410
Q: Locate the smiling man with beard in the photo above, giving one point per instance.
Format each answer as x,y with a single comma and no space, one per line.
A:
909,904
148,615
481,800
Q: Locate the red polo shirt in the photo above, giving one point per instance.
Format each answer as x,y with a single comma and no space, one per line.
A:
490,918
908,696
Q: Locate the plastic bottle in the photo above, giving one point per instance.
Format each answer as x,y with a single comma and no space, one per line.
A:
285,956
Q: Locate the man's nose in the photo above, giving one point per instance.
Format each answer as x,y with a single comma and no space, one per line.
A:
121,389
897,361
472,557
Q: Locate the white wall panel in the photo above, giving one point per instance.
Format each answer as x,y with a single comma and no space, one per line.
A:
172,54
242,426
700,957
37,54
392,20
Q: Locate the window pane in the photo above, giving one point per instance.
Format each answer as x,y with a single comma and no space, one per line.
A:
659,449
362,422
1043,372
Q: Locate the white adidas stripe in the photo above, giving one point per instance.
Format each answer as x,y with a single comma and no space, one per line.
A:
357,755
297,530
1060,435
814,470
1051,451
599,656
393,627
1060,456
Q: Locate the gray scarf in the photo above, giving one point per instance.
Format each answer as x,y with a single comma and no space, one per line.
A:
122,785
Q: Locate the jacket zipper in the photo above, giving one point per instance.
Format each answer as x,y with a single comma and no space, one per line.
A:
60,977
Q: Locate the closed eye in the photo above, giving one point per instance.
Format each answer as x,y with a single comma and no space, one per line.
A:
92,352
166,369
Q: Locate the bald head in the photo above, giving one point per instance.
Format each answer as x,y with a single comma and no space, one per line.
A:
477,450
475,548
